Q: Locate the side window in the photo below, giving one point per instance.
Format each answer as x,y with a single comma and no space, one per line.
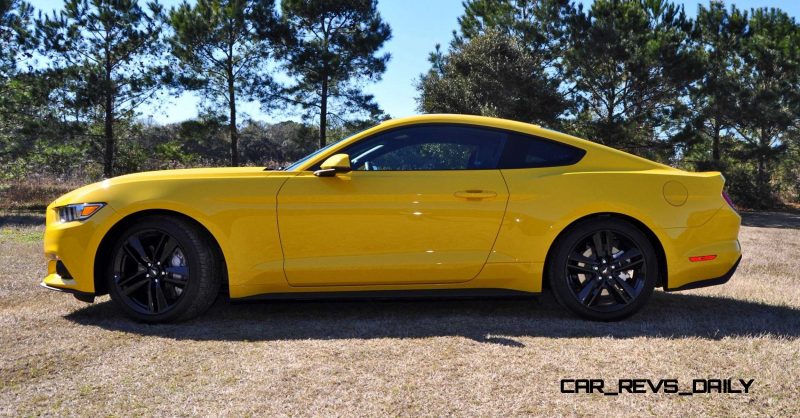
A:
525,151
428,147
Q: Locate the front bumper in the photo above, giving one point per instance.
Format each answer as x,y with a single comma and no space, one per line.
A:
81,296
70,249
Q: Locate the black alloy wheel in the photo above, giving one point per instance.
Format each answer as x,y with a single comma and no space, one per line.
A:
163,269
151,272
604,269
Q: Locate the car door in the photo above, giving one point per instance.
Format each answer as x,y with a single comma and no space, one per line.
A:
423,204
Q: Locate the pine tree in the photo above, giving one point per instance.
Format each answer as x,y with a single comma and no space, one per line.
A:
331,47
718,36
541,26
492,74
110,49
768,100
506,60
16,38
223,48
631,63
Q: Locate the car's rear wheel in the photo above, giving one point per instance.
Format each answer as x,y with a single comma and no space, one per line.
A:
163,269
603,269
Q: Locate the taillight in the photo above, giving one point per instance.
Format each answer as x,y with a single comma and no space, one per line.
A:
728,200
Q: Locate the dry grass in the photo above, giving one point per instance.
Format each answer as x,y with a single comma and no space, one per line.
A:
478,357
34,193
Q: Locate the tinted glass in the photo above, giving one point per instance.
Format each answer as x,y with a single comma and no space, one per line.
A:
299,162
429,147
524,151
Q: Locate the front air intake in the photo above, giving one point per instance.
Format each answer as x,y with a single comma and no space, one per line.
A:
62,271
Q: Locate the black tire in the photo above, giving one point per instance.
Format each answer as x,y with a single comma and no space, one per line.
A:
600,286
153,282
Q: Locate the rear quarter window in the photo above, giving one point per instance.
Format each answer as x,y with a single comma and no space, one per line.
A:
527,151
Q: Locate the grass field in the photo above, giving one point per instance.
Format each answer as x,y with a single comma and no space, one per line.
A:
59,356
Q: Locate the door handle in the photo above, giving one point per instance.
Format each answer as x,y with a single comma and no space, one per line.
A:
475,194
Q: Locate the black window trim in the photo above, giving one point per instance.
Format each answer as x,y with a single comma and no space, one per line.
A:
578,155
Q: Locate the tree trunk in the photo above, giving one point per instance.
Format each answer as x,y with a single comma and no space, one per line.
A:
323,113
762,179
108,158
234,133
762,171
715,153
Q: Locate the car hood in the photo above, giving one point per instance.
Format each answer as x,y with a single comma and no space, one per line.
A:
89,193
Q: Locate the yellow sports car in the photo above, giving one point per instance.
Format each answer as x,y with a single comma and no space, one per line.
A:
427,205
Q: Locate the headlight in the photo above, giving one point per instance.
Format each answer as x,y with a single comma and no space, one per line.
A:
78,212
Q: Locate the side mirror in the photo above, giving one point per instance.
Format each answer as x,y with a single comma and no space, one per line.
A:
335,164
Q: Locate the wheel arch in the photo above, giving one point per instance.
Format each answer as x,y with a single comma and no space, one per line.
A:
103,253
651,236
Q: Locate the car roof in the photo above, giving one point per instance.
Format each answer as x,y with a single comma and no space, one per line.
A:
615,157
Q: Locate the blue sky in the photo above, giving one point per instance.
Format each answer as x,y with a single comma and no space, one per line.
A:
417,26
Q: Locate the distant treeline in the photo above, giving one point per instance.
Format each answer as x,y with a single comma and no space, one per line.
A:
720,91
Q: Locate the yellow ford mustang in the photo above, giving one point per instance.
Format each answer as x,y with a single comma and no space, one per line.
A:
428,204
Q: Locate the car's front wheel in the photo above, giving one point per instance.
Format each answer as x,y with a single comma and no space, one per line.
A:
603,269
163,269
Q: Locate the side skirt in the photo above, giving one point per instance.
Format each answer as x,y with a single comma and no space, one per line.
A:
393,295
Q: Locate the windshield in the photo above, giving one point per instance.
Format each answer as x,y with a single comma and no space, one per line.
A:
301,161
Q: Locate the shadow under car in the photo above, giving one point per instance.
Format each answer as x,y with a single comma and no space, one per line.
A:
496,321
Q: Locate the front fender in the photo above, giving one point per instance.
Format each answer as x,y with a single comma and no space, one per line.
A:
239,212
